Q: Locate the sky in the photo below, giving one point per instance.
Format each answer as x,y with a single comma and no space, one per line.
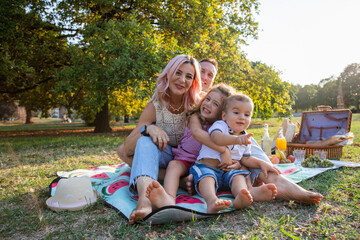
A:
307,40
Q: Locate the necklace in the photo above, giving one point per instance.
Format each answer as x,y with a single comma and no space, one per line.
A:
176,109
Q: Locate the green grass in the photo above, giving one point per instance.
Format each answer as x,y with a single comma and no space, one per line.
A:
29,164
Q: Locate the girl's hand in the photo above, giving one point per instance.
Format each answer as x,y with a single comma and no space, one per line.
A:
226,159
159,136
244,139
267,167
234,165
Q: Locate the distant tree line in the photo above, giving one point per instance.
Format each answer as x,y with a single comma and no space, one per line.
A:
309,97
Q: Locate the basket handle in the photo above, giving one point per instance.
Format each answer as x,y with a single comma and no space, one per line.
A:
323,108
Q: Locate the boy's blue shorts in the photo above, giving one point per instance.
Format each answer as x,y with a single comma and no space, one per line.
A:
222,179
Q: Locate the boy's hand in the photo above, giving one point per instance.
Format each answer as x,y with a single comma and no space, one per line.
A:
267,167
244,139
234,165
226,159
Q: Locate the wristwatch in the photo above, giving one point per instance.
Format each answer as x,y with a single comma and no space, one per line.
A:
143,131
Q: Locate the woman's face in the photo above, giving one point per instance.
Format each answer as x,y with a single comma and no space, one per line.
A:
182,80
210,106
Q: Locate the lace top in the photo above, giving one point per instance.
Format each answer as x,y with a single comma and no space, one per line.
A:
173,124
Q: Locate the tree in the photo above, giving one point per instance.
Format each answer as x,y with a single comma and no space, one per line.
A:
327,92
124,44
31,52
351,85
125,103
7,110
269,93
306,97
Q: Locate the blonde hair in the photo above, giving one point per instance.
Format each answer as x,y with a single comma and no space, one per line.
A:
225,90
191,97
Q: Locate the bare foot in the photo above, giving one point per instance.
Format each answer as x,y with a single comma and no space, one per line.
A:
263,193
243,199
305,197
158,196
218,205
290,191
139,214
190,184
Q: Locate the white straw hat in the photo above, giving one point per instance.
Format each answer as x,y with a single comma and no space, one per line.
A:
72,194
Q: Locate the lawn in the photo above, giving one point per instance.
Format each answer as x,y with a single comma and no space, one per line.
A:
29,163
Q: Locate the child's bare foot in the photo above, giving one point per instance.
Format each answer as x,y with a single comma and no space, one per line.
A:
243,199
263,193
158,196
139,214
190,184
218,205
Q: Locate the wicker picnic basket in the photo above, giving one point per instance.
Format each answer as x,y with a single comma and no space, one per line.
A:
333,152
319,125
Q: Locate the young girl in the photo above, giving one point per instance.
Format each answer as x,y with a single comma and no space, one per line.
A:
207,112
230,132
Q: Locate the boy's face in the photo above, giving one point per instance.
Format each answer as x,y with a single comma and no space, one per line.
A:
238,115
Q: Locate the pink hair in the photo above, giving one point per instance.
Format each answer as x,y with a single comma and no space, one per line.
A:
162,89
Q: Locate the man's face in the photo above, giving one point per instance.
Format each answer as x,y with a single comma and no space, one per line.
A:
208,73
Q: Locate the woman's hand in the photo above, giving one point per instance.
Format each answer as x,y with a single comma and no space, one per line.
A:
244,139
159,136
267,167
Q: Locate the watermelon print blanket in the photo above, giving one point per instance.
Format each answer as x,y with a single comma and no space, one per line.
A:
112,184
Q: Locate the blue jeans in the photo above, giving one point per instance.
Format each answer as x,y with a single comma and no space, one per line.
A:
257,152
147,161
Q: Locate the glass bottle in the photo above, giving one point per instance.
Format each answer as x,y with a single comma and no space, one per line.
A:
266,141
280,141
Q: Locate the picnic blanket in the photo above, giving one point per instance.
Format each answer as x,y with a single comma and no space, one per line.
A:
112,184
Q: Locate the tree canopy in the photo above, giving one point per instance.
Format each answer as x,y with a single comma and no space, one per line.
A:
90,54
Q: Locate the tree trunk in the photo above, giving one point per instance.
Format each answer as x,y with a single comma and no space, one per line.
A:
102,123
28,117
126,118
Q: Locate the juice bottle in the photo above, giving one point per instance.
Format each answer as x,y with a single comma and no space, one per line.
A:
266,141
280,142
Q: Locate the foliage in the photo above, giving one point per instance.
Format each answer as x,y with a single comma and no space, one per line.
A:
125,103
326,92
268,92
31,52
306,97
350,78
7,110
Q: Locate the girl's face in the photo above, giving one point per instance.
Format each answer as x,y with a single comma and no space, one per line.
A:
210,106
182,80
238,116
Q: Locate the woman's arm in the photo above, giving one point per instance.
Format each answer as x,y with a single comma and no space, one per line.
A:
147,117
254,162
201,135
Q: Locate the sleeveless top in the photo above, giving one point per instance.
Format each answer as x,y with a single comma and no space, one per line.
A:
189,148
173,124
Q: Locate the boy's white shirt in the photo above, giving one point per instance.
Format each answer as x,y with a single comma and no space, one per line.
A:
237,151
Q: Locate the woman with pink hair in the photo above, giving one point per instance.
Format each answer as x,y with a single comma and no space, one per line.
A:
177,91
